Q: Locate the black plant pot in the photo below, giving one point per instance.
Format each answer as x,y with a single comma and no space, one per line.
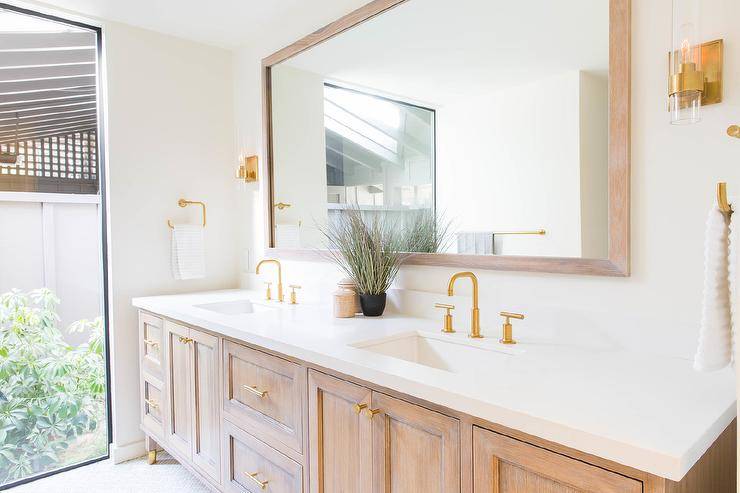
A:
372,305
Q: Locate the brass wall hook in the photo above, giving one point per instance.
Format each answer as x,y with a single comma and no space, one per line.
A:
724,206
185,203
734,131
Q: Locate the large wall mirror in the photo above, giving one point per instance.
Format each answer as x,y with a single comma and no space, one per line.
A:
495,132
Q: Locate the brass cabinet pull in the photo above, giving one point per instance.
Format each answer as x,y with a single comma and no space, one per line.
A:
151,343
372,412
359,407
253,477
185,340
151,403
253,389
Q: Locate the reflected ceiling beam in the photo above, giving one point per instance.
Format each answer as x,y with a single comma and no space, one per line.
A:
10,120
33,58
50,133
16,41
28,127
355,160
400,137
26,86
46,72
33,107
381,150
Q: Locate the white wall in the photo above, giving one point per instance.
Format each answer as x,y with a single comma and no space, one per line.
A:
300,154
674,171
509,161
170,135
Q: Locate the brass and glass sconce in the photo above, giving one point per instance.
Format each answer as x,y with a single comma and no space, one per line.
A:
247,170
695,76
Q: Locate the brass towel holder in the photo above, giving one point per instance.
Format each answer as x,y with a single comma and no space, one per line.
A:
724,206
185,203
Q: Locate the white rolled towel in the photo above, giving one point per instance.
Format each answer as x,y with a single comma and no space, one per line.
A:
715,335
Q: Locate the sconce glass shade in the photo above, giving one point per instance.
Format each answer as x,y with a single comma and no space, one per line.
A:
686,78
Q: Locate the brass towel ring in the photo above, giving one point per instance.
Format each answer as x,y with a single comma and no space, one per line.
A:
185,203
724,206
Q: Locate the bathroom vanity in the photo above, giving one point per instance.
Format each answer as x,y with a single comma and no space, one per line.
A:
257,396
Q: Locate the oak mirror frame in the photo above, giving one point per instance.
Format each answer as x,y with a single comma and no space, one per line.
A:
617,261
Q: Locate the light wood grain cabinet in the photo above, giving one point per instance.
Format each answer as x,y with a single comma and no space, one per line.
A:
264,394
206,408
504,465
178,359
245,420
193,421
252,466
414,449
364,441
152,407
151,344
339,435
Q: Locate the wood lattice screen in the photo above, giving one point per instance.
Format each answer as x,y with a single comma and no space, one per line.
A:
55,164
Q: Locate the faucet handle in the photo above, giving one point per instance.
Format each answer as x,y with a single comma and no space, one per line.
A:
447,329
507,329
293,298
268,294
509,315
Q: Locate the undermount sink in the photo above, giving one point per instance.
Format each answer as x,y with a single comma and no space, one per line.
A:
237,307
456,354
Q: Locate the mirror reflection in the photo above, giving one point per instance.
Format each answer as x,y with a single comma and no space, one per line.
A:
473,127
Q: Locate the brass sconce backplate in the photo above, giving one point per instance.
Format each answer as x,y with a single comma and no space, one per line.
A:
711,66
247,170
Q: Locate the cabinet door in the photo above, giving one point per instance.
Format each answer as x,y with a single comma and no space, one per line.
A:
340,435
505,465
178,358
414,449
206,415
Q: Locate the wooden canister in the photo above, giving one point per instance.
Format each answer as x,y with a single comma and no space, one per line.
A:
350,285
344,303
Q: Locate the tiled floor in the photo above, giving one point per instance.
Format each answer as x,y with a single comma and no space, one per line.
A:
136,476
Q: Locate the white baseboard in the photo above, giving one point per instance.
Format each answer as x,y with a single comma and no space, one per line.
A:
122,453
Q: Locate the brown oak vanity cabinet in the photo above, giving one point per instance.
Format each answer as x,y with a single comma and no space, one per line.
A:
366,441
245,420
505,465
192,380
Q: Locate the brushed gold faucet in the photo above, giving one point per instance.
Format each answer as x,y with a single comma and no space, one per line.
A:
475,315
280,296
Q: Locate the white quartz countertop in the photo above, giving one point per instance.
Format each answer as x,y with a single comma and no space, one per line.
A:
653,413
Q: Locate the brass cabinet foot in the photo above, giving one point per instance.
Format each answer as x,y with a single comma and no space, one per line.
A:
152,457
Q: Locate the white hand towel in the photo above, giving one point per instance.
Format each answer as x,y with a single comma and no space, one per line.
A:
715,335
188,252
288,235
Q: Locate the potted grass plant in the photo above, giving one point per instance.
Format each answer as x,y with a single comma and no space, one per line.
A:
370,249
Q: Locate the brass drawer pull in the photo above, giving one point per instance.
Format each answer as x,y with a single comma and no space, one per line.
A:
185,340
372,412
151,343
152,404
253,389
253,477
359,407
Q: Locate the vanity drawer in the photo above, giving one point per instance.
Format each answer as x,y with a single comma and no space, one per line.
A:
152,406
264,394
150,344
253,466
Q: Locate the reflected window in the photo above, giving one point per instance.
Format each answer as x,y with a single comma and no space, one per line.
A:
379,153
